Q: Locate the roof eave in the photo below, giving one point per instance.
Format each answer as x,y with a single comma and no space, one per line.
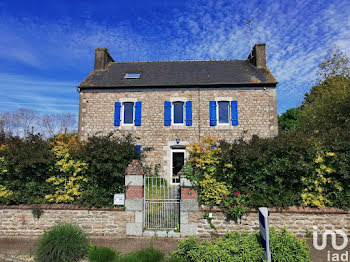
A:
265,84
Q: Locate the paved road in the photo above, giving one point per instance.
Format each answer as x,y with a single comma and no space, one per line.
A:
26,245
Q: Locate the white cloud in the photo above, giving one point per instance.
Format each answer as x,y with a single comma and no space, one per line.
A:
45,96
297,33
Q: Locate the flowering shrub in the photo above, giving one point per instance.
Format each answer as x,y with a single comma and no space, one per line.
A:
206,155
318,184
69,175
237,204
212,190
4,192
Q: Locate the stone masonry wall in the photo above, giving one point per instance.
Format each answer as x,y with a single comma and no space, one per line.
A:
19,221
297,222
257,114
99,222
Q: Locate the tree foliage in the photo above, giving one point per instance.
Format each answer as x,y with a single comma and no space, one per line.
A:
289,120
327,104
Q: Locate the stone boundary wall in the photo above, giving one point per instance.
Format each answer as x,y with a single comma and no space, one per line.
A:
19,220
298,220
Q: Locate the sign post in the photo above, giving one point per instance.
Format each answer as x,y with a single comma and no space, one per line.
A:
264,231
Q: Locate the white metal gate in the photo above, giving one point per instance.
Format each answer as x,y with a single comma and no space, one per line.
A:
162,204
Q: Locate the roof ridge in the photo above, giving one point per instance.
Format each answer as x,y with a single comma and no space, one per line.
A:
175,61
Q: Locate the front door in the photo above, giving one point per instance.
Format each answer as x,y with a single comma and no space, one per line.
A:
178,161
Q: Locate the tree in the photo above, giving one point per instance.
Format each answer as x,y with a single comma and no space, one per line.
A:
25,119
2,132
54,124
289,119
327,105
67,122
50,125
336,63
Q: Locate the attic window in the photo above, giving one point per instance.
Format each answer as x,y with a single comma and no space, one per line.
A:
132,75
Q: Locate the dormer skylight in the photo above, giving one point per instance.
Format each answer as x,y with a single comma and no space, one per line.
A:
132,75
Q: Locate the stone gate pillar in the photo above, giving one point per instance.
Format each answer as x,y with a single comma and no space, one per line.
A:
134,197
188,203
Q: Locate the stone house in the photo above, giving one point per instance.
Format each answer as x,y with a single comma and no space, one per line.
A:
171,104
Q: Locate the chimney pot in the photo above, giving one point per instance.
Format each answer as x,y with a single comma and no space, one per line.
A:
102,58
258,56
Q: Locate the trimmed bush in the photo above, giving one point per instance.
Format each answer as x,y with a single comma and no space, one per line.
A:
244,248
287,247
231,247
144,255
102,254
62,243
107,158
28,163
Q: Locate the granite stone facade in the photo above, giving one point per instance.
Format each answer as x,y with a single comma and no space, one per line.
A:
257,115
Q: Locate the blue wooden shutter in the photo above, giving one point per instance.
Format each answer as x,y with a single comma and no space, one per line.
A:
117,107
138,109
167,113
189,113
137,149
234,113
212,106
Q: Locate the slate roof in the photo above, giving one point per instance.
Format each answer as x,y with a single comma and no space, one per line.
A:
179,73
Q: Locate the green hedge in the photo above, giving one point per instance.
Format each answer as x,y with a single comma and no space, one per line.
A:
35,170
293,168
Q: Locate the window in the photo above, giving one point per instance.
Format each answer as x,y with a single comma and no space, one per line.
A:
178,112
224,112
128,116
128,113
132,75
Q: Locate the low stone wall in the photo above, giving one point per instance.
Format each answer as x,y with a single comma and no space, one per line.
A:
297,220
19,220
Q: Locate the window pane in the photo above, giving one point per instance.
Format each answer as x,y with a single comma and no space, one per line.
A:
178,112
132,75
223,112
128,113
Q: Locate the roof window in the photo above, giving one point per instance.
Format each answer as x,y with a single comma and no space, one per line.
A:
132,75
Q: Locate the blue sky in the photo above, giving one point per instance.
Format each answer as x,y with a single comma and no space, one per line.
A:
47,47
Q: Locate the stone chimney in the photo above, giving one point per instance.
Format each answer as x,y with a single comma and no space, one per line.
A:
102,58
258,56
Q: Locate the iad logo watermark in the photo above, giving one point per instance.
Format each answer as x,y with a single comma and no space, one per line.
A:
332,256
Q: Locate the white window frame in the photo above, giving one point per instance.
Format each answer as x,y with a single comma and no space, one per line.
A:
171,162
122,113
229,112
173,113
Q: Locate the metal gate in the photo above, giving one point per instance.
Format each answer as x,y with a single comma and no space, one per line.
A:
162,204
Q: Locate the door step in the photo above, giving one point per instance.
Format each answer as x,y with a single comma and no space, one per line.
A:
160,233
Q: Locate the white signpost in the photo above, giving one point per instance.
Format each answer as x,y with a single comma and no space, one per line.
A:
264,231
119,199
